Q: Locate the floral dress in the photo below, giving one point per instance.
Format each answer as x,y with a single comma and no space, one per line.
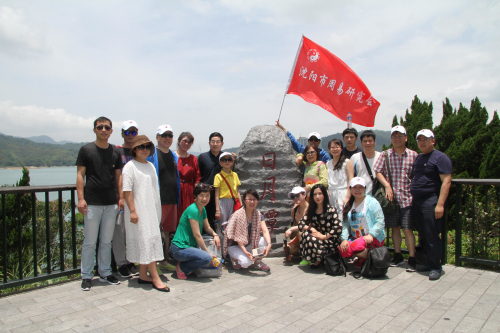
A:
314,249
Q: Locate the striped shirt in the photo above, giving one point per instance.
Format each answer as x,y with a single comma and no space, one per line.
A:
401,168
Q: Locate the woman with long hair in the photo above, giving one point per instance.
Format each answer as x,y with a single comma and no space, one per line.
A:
321,228
243,234
340,173
315,171
363,225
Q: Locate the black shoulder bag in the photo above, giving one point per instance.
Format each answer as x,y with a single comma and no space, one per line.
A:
375,182
377,263
388,206
335,265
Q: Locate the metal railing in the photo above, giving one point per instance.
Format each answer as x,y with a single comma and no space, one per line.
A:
39,274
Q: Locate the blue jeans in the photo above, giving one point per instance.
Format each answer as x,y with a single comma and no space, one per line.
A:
190,258
429,228
98,220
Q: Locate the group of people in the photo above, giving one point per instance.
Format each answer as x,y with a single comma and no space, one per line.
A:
149,204
341,213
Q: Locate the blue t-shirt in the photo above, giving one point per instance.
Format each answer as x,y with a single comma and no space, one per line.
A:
427,171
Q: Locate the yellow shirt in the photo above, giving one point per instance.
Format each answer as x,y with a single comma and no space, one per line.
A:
233,181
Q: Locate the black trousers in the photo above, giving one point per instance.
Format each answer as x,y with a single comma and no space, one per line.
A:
429,228
210,209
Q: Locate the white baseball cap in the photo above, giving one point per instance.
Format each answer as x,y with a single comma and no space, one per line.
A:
296,190
164,128
398,128
129,123
225,154
357,181
425,132
316,134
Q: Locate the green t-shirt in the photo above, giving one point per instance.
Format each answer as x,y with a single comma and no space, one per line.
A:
184,237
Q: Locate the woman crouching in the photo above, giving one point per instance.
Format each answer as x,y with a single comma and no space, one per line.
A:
321,228
243,234
363,224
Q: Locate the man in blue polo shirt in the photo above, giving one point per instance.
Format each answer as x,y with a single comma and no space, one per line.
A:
430,188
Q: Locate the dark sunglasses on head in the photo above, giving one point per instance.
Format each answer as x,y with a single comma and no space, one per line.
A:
100,127
142,147
226,159
167,135
353,215
204,186
294,196
127,133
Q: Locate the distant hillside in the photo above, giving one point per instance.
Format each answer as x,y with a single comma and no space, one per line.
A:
15,152
47,139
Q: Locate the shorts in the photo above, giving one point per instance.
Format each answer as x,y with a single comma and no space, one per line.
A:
358,245
169,218
401,218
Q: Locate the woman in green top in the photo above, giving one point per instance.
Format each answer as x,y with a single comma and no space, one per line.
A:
188,235
315,171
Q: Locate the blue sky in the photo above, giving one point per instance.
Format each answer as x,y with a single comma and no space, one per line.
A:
205,66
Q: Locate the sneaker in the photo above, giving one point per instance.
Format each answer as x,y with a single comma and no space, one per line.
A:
86,284
304,263
260,265
235,264
167,267
435,274
109,279
412,265
180,274
397,260
133,270
124,271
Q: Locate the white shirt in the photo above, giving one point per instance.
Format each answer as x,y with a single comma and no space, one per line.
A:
361,171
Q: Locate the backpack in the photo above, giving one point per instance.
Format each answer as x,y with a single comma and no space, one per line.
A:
377,263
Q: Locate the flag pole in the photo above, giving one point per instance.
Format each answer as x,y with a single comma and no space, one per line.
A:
291,74
281,107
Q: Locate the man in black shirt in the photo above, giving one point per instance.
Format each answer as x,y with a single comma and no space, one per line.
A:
98,177
350,135
130,130
165,162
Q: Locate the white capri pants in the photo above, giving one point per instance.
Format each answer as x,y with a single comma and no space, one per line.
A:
235,252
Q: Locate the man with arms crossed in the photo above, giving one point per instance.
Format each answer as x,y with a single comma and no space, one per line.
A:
98,176
430,188
126,269
401,161
361,169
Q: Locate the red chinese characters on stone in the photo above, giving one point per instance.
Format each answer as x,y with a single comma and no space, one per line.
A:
269,160
269,188
271,216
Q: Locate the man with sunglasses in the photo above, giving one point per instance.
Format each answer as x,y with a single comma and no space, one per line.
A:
130,131
165,163
313,139
98,179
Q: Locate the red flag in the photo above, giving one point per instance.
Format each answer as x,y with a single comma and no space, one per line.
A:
321,78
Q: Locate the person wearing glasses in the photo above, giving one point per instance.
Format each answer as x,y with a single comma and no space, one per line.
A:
189,172
143,213
243,234
226,184
315,171
165,163
320,227
340,173
363,225
98,181
188,246
126,269
292,248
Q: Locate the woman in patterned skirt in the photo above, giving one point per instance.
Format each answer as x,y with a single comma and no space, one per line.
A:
321,228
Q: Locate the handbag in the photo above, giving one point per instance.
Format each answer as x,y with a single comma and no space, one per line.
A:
237,203
388,206
335,265
377,263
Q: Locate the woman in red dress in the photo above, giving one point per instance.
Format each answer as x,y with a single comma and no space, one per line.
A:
189,172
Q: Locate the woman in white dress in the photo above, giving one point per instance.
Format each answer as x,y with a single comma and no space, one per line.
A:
143,213
340,173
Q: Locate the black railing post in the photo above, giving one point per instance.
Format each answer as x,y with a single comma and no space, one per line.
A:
20,236
444,236
73,228
33,227
473,224
47,232
61,232
4,219
458,225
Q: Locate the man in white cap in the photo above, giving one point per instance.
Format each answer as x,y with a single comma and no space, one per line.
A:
430,188
350,136
126,269
314,139
165,162
401,161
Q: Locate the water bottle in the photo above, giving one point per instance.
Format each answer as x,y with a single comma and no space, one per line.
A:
349,120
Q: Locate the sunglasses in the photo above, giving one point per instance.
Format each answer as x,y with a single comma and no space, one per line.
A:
204,186
100,127
226,160
311,152
314,140
127,133
353,215
167,135
142,147
294,196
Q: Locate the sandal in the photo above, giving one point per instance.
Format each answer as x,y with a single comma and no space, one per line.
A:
235,264
180,274
260,265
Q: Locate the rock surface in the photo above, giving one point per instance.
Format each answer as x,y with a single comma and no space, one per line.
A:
266,163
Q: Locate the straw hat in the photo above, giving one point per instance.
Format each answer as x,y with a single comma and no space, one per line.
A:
142,140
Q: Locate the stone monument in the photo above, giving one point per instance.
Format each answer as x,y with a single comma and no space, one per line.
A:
266,163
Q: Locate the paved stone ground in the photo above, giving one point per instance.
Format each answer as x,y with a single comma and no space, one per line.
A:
290,299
